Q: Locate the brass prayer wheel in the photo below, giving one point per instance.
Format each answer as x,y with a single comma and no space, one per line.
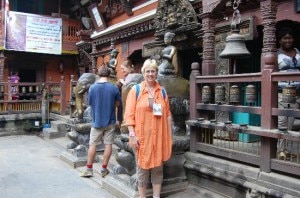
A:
289,93
206,94
220,94
234,94
251,96
30,89
23,89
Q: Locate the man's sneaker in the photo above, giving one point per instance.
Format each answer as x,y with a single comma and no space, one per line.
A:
104,172
87,173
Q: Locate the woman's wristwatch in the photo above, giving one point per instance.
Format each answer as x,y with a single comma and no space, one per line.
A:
131,134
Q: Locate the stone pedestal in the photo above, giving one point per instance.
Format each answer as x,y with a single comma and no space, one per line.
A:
45,111
76,157
175,180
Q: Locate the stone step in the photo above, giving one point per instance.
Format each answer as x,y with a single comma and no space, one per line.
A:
196,191
51,133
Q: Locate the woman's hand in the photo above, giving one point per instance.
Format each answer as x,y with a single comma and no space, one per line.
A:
133,142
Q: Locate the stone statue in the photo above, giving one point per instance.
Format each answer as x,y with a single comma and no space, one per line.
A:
83,84
112,63
166,67
44,92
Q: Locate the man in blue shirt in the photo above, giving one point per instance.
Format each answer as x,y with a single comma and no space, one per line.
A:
103,97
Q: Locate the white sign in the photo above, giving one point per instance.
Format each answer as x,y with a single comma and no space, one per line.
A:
43,34
33,33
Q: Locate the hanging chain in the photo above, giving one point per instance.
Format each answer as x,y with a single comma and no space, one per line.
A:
236,4
236,18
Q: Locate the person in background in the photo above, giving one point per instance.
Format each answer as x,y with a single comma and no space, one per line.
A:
150,133
126,68
288,61
14,78
103,98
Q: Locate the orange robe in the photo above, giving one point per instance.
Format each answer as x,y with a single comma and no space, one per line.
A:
153,132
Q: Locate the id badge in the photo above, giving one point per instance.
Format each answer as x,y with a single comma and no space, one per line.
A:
157,109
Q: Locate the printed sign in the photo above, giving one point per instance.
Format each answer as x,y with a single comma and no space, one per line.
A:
33,33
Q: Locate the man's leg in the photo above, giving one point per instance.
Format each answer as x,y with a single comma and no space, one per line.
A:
91,154
90,159
109,134
107,153
95,139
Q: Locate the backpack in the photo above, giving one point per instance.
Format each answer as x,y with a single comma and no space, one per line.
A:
137,88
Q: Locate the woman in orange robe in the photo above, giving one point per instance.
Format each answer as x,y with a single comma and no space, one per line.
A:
148,118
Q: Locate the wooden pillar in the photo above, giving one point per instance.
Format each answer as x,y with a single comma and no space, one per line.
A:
269,90
195,95
63,99
2,61
208,63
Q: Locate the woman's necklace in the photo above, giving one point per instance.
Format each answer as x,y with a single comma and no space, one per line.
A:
150,96
151,92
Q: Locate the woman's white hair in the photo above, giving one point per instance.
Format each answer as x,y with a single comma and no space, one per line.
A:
149,63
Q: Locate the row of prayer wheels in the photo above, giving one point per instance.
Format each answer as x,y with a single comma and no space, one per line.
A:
289,93
23,89
234,94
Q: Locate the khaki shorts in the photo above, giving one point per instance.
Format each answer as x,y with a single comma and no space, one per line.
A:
104,135
156,175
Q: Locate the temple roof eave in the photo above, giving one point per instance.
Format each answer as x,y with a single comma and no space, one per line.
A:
124,24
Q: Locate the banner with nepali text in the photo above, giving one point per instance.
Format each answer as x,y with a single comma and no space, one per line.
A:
33,33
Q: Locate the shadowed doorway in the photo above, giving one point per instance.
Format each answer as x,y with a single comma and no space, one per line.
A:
27,75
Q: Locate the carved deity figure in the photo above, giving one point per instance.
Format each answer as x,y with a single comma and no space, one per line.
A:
112,63
166,67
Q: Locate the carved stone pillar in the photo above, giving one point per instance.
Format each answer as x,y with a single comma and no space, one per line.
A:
93,67
268,11
208,63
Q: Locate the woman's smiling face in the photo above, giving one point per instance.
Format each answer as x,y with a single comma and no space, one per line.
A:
150,74
286,42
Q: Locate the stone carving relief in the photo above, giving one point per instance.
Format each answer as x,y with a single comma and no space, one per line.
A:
172,14
116,7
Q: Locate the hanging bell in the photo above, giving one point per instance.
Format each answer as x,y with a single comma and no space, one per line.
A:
235,47
235,43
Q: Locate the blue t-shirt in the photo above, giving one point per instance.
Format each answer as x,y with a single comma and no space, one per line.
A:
102,97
